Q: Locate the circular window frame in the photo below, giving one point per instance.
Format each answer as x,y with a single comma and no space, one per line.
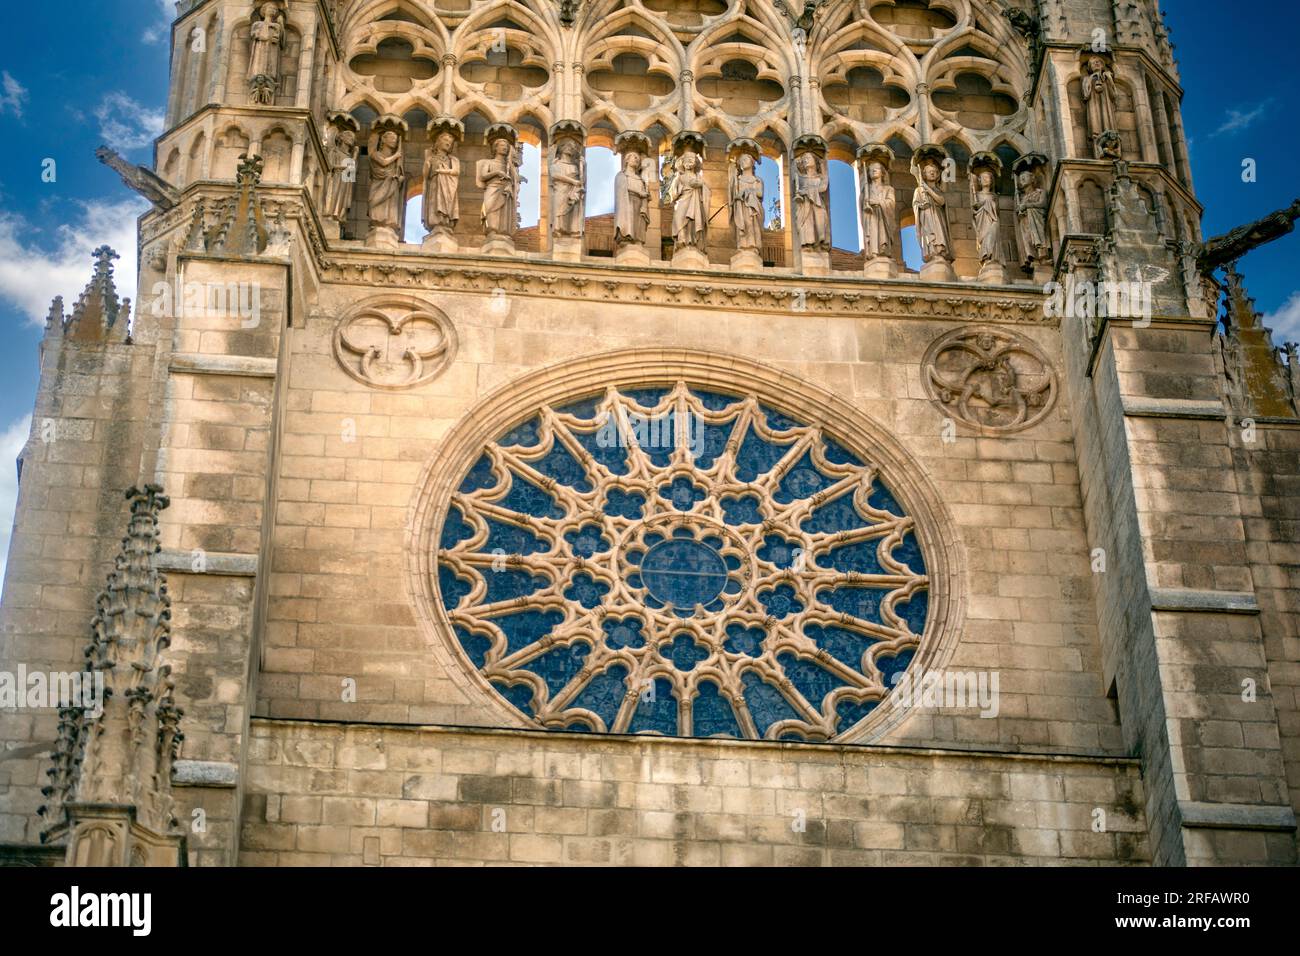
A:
515,402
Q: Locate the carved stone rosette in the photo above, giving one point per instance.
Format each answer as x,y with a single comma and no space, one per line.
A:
394,343
989,379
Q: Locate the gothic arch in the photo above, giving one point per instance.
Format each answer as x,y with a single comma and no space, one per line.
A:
512,405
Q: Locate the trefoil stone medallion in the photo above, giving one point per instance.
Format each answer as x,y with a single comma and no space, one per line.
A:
991,380
680,560
394,344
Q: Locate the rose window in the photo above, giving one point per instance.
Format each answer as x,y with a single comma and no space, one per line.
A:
679,561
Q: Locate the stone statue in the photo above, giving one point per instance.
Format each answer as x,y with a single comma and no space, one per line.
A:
1099,98
1031,218
441,186
387,183
631,202
341,185
878,212
984,208
266,43
931,213
499,179
745,200
811,217
690,198
568,191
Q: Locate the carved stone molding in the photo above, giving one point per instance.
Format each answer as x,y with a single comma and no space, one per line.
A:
991,380
394,343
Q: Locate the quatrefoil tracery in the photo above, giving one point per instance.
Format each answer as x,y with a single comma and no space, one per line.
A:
791,584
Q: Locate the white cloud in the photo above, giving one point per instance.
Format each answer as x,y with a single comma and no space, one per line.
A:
160,29
12,440
125,124
1285,322
14,95
1238,120
32,273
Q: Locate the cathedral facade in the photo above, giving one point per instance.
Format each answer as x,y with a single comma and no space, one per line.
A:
677,534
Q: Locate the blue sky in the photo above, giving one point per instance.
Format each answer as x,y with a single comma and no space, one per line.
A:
75,76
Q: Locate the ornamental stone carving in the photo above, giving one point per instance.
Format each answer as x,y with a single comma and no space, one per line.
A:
989,379
393,344
266,36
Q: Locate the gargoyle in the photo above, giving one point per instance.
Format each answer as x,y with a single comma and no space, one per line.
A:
146,182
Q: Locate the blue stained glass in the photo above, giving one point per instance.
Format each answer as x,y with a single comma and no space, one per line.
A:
683,573
559,665
683,493
714,401
604,694
844,645
647,398
861,602
778,551
757,457
624,632
882,499
908,552
801,481
657,437
479,477
624,504
584,408
512,539
707,441
861,556
524,436
528,499
915,611
560,464
452,587
777,421
476,645
673,568
837,454
766,704
813,682
741,511
684,652
711,713
744,640
586,590
510,583
656,710
587,540
848,712
780,601
606,446
455,529
527,627
835,515
521,695
891,668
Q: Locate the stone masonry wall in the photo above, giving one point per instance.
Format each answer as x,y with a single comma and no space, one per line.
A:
322,794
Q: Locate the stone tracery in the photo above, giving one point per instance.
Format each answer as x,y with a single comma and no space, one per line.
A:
685,561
